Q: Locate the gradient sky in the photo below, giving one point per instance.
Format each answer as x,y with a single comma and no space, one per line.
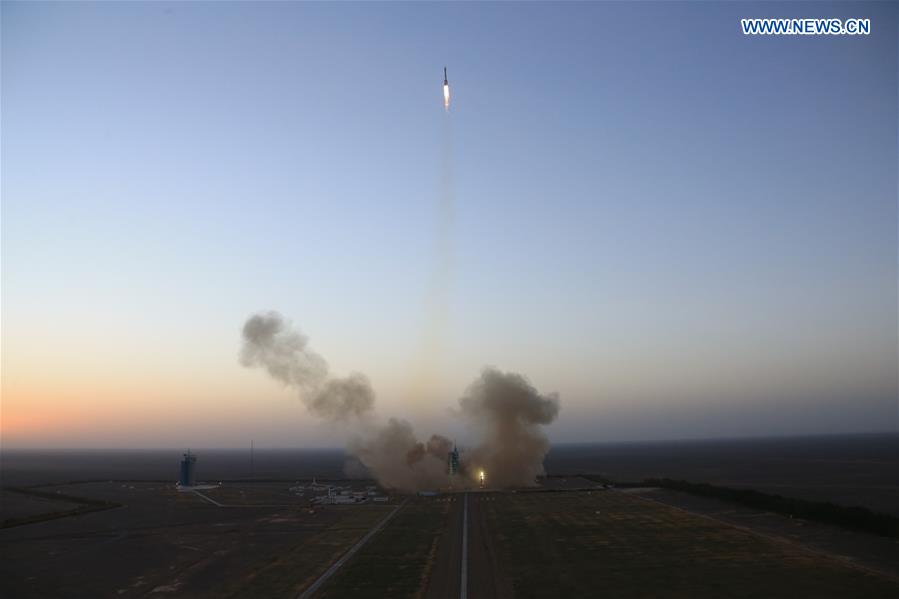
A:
685,231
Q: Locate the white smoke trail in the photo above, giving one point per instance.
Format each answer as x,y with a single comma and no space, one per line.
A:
428,365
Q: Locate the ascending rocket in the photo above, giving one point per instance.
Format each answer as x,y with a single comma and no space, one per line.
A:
445,90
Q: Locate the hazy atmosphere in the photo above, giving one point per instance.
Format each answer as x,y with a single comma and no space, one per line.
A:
426,300
666,228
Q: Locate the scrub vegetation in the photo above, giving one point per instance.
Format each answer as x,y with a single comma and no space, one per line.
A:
582,544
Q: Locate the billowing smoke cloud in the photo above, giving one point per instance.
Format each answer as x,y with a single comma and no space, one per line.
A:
399,460
509,412
341,399
268,341
503,407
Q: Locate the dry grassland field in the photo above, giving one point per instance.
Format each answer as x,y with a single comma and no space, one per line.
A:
399,561
610,543
564,541
162,543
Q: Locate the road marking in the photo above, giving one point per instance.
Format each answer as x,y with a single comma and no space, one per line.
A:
346,556
463,592
246,505
209,499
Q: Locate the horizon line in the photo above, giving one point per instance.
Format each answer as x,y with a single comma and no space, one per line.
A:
555,444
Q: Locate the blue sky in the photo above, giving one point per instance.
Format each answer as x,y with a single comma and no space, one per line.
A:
685,231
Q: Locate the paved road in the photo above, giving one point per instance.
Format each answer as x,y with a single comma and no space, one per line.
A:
463,578
484,578
446,574
315,586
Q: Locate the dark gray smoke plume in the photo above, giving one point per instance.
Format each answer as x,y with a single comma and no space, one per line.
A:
503,407
510,412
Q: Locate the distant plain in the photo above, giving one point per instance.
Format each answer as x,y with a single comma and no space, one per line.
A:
844,469
143,538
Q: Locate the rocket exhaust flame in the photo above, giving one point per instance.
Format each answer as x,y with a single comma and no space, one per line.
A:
446,93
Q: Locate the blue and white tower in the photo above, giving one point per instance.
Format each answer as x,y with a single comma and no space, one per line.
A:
188,470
